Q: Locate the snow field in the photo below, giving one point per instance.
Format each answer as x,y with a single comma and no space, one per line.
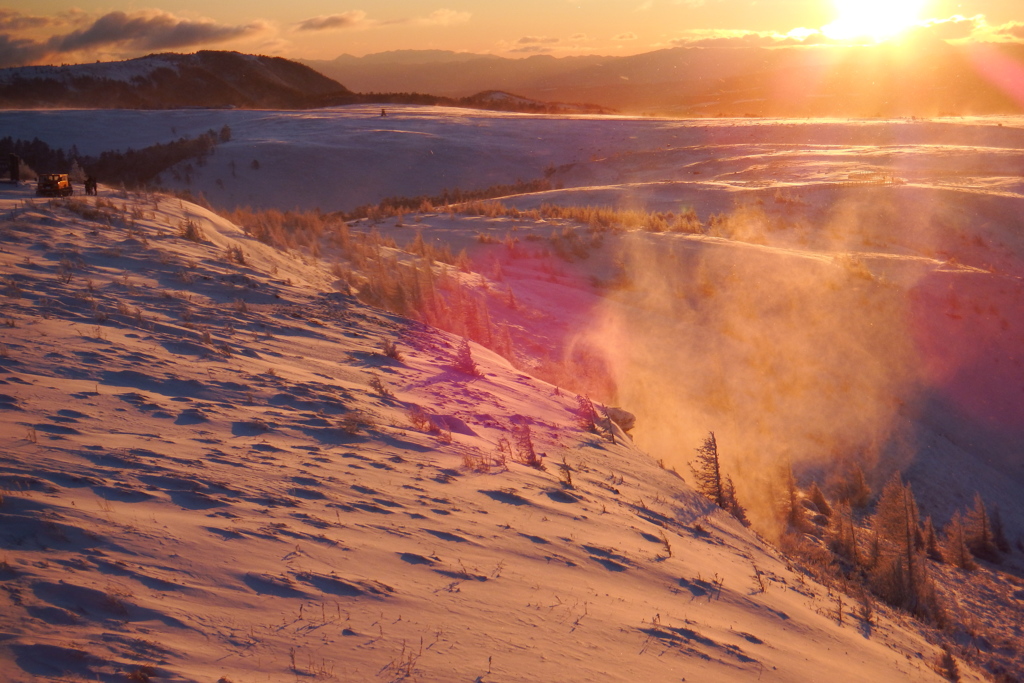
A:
241,504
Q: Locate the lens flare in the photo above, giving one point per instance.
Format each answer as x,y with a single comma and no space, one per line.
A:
876,19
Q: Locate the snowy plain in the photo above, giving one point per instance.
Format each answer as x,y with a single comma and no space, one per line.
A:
215,489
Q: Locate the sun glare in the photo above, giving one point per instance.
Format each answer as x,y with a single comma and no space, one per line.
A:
877,19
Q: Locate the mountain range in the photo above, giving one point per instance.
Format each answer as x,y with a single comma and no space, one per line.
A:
217,79
919,76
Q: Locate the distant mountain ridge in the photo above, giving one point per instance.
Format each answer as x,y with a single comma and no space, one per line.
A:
204,79
919,76
215,79
455,74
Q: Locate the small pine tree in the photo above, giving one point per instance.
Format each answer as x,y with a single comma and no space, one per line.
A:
843,533
818,498
900,573
998,532
874,551
76,175
954,549
792,512
586,413
464,362
896,516
947,666
732,505
851,486
978,532
931,541
708,472
523,438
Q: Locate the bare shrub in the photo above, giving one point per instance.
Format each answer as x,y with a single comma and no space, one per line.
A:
390,350
464,362
476,461
525,451
234,254
420,421
565,473
378,385
190,230
354,421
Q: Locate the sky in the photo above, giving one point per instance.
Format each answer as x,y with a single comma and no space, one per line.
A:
47,32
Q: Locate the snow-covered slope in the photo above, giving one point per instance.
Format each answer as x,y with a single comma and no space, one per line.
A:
200,482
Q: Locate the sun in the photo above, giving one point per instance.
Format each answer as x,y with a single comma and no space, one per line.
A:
877,19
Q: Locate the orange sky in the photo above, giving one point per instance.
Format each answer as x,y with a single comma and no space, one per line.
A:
316,29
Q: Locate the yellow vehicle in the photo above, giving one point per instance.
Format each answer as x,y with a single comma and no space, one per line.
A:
54,185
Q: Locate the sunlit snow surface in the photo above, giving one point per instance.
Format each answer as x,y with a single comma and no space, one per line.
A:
345,157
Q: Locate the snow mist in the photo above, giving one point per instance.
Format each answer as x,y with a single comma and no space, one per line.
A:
789,357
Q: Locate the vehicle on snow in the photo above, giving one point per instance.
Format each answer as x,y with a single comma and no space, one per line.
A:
54,185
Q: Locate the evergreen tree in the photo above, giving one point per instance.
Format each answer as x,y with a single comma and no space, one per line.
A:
896,517
707,471
586,413
76,174
818,498
792,512
931,541
955,547
900,575
978,532
851,486
947,667
843,533
732,505
998,532
464,359
860,492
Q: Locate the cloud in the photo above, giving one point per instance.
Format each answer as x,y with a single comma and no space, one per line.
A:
536,40
12,20
1013,29
150,30
18,51
445,17
953,28
140,31
532,49
357,19
350,19
738,38
975,29
629,35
